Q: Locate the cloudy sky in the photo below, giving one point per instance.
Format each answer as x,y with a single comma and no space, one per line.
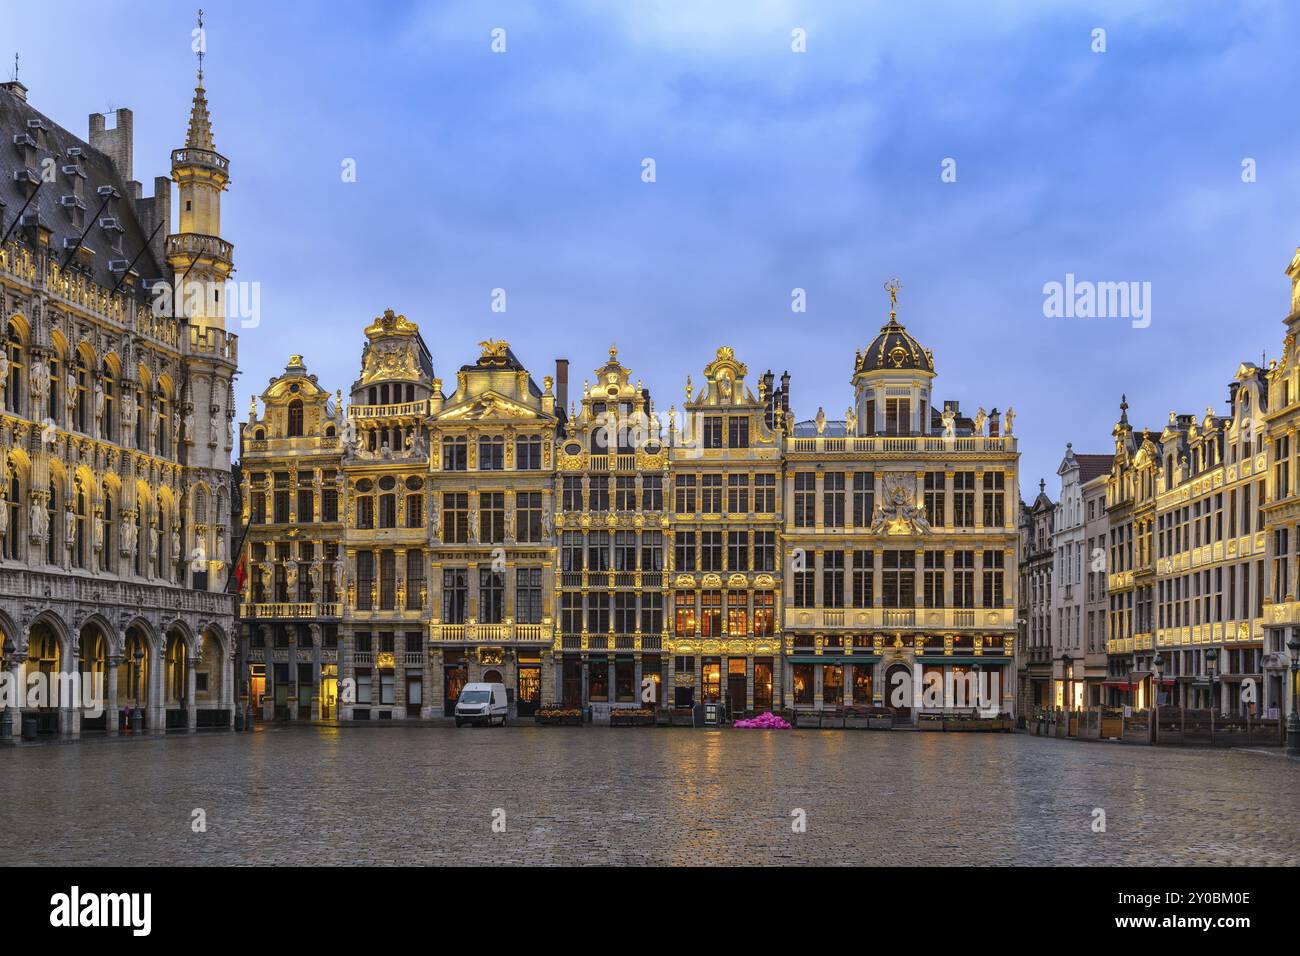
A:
775,170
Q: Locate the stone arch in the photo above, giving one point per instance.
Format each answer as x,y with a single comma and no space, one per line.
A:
10,632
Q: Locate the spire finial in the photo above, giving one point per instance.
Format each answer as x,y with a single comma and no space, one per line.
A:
892,286
200,44
15,66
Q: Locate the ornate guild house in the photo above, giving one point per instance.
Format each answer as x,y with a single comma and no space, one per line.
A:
115,437
592,556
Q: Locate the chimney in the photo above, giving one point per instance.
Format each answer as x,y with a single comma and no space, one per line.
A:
115,143
16,89
785,392
562,385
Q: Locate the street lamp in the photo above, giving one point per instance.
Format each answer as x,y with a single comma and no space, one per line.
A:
1211,672
137,718
1158,663
1067,673
7,653
1293,719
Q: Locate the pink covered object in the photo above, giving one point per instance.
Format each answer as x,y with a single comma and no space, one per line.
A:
767,721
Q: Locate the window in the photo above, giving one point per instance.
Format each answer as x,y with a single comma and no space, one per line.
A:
833,579
625,493
738,432
652,551
711,494
684,613
933,579
864,498
993,579
528,516
994,499
713,431
898,416
571,551
415,580
737,614
387,580
625,551
624,612
415,510
710,613
833,499
491,596
571,612
455,517
684,503
805,505
598,551
294,429
899,579
765,494
652,613
598,494
805,594
935,513
963,499
365,580
652,493
764,610
571,494
455,453
684,551
737,494
737,551
711,551
528,595
764,550
863,572
528,453
963,579
491,453
492,517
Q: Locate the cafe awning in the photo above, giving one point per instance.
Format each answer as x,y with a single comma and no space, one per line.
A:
995,660
834,658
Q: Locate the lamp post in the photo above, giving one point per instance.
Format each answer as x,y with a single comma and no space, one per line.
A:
1158,663
1293,719
1211,671
137,718
979,689
7,653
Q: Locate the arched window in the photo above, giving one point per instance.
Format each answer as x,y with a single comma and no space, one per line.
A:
17,370
295,418
141,420
54,531
106,554
163,538
81,401
164,427
200,506
55,406
15,506
79,527
107,420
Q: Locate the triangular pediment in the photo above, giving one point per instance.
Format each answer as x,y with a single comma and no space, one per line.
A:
488,405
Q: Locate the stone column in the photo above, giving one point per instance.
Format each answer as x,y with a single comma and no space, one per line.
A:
110,701
316,640
292,695
70,706
14,713
191,705
156,707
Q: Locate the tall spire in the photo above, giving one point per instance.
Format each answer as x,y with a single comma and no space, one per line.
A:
199,135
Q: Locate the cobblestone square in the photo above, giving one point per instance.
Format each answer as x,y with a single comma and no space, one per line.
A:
306,796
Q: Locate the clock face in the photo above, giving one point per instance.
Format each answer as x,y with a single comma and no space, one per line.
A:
573,448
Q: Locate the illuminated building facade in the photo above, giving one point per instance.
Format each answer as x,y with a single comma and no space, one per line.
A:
612,528
292,488
899,537
115,436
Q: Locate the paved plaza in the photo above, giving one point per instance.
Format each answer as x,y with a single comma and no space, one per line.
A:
303,796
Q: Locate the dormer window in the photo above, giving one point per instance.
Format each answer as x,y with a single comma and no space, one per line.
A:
295,419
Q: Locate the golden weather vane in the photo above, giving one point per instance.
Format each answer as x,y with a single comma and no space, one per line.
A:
202,45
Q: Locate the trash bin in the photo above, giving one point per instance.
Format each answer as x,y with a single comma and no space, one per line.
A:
29,728
137,721
248,720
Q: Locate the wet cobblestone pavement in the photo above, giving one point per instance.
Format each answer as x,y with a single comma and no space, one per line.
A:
397,795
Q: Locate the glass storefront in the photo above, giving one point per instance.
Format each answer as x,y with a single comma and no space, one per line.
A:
763,684
862,685
803,684
711,680
832,684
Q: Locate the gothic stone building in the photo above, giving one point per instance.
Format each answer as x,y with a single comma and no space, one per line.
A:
115,433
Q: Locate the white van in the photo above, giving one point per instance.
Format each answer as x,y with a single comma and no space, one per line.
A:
482,704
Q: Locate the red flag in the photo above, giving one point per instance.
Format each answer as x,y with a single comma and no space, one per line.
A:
240,573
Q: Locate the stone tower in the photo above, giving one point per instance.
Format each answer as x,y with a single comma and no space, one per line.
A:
201,263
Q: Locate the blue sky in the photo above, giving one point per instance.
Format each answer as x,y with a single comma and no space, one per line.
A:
775,170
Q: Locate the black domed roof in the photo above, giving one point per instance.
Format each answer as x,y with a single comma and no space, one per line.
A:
893,349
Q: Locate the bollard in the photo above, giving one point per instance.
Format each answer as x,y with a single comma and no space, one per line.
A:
29,728
137,721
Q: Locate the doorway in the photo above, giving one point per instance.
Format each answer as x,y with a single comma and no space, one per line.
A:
737,685
711,679
529,691
898,685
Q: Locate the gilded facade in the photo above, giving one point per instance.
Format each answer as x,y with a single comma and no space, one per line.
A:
115,437
291,575
899,539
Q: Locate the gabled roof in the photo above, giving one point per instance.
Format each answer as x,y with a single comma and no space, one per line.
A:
99,171
1091,466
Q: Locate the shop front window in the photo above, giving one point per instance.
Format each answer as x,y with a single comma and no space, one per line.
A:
598,679
862,685
833,684
803,683
624,680
763,685
711,679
